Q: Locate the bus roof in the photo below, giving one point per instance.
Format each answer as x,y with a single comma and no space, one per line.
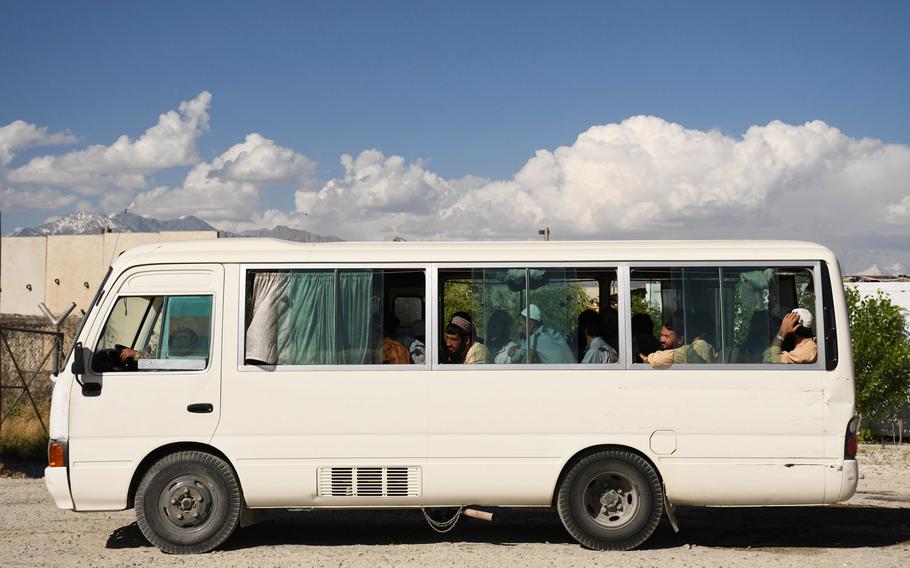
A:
269,251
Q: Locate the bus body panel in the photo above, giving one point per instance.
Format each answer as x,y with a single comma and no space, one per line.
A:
137,412
489,428
279,427
488,436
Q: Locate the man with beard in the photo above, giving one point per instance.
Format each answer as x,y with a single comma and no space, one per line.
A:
461,347
675,349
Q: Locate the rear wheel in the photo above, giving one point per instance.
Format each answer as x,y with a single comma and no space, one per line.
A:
188,502
611,500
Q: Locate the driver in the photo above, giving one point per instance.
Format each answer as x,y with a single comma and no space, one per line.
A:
127,354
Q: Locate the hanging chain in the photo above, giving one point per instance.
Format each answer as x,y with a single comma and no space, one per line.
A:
443,526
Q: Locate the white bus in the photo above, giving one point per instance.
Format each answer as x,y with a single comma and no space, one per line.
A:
214,379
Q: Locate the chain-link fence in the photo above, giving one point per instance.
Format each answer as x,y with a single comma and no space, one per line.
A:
30,350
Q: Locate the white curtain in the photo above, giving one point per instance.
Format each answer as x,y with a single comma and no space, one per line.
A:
270,305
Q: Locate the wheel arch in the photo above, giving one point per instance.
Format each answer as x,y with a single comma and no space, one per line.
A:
149,460
585,452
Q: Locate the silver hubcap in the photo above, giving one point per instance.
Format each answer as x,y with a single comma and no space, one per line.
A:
187,502
611,499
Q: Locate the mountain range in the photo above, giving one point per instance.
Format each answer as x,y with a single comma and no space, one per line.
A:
91,222
858,261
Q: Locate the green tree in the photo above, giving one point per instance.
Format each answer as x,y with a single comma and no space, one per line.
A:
458,298
641,306
881,355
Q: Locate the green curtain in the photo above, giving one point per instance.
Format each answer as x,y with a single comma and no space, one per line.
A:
186,327
355,290
306,334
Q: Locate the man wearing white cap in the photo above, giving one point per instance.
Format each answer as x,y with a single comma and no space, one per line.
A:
799,324
545,344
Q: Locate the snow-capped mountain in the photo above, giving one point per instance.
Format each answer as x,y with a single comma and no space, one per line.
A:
284,233
75,223
90,223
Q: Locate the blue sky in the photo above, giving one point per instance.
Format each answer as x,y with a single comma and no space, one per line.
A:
470,88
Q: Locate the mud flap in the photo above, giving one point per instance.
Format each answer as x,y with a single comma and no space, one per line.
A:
249,517
670,508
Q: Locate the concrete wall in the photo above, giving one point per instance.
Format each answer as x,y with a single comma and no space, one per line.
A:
22,274
897,292
66,268
74,269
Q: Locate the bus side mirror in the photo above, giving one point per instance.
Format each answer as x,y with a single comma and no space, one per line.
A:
78,366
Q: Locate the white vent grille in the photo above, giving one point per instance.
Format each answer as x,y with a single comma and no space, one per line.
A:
369,481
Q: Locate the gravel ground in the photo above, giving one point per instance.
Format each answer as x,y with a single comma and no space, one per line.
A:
872,529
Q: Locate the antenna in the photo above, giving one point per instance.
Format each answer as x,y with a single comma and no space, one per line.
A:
117,240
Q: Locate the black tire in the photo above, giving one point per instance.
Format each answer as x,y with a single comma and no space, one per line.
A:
188,502
611,500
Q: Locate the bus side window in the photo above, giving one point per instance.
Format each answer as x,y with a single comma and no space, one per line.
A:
722,314
155,333
681,305
756,301
529,316
348,316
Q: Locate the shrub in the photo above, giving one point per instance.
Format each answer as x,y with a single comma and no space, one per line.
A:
881,355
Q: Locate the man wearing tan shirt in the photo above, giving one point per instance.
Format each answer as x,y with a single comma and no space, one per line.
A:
799,324
460,345
674,348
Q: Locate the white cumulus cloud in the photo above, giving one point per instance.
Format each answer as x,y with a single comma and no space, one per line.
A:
34,199
19,135
641,177
260,161
228,188
125,163
379,196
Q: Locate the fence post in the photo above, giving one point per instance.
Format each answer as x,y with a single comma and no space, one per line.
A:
56,321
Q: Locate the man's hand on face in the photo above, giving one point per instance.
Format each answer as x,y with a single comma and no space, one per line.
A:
789,324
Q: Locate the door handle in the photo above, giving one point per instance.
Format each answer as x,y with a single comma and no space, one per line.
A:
200,407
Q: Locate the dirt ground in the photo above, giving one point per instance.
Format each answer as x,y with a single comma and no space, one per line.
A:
872,529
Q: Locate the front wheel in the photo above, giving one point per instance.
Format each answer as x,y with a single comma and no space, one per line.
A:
188,502
611,500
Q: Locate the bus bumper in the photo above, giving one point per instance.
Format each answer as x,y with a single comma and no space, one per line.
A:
58,486
849,479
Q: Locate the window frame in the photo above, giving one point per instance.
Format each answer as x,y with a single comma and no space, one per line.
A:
265,267
431,317
433,342
208,360
813,265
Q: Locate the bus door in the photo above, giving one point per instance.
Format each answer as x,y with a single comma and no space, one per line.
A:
153,377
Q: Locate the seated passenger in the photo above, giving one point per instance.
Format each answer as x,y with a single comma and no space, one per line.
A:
675,349
643,340
543,344
798,325
392,352
499,337
701,350
460,345
598,351
416,342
